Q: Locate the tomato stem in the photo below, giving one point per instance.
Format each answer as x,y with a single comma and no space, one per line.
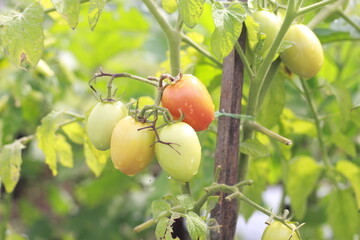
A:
259,128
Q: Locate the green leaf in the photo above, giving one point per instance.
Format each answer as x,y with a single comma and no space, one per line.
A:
169,6
196,226
344,142
273,103
186,201
252,29
228,25
343,215
211,203
164,227
159,207
47,138
95,159
190,11
302,176
95,9
352,172
285,45
69,10
258,172
22,36
64,151
254,148
330,35
75,132
10,163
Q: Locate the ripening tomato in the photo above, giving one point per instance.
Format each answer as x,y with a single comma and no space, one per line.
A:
182,159
277,230
270,25
306,57
131,149
191,97
101,122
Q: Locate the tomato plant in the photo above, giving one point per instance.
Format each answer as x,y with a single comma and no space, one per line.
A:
306,57
131,147
277,230
101,122
190,96
269,25
181,159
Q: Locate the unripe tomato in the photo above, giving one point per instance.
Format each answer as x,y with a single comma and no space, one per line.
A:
182,159
270,25
306,57
278,231
101,122
191,97
131,149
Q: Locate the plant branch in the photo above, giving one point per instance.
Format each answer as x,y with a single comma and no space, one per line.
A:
317,123
314,6
203,51
244,60
259,128
349,20
325,12
185,188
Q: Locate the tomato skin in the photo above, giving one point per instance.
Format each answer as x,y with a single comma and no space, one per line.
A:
191,97
101,122
306,57
270,25
131,150
277,230
183,163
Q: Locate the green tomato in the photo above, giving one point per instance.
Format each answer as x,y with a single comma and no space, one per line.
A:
101,122
306,57
182,159
278,231
131,149
270,25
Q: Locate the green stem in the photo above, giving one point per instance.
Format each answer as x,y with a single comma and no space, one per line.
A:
155,11
49,10
6,215
203,51
185,188
347,19
244,60
259,128
314,6
75,115
317,123
325,12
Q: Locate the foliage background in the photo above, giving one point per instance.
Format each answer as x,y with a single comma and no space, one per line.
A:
78,205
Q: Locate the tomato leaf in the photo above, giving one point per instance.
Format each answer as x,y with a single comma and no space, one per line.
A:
95,9
159,207
285,45
169,6
10,163
47,138
190,11
343,215
228,25
252,29
302,176
22,36
196,226
75,132
330,35
186,201
95,159
69,10
344,142
258,172
352,172
211,203
64,151
254,148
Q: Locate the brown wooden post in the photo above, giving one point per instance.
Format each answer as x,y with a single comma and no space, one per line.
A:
227,146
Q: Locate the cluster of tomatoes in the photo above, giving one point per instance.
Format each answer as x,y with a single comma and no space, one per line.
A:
305,58
133,144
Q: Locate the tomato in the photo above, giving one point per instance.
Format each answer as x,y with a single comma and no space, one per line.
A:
306,57
277,230
131,149
182,159
270,25
102,120
191,97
